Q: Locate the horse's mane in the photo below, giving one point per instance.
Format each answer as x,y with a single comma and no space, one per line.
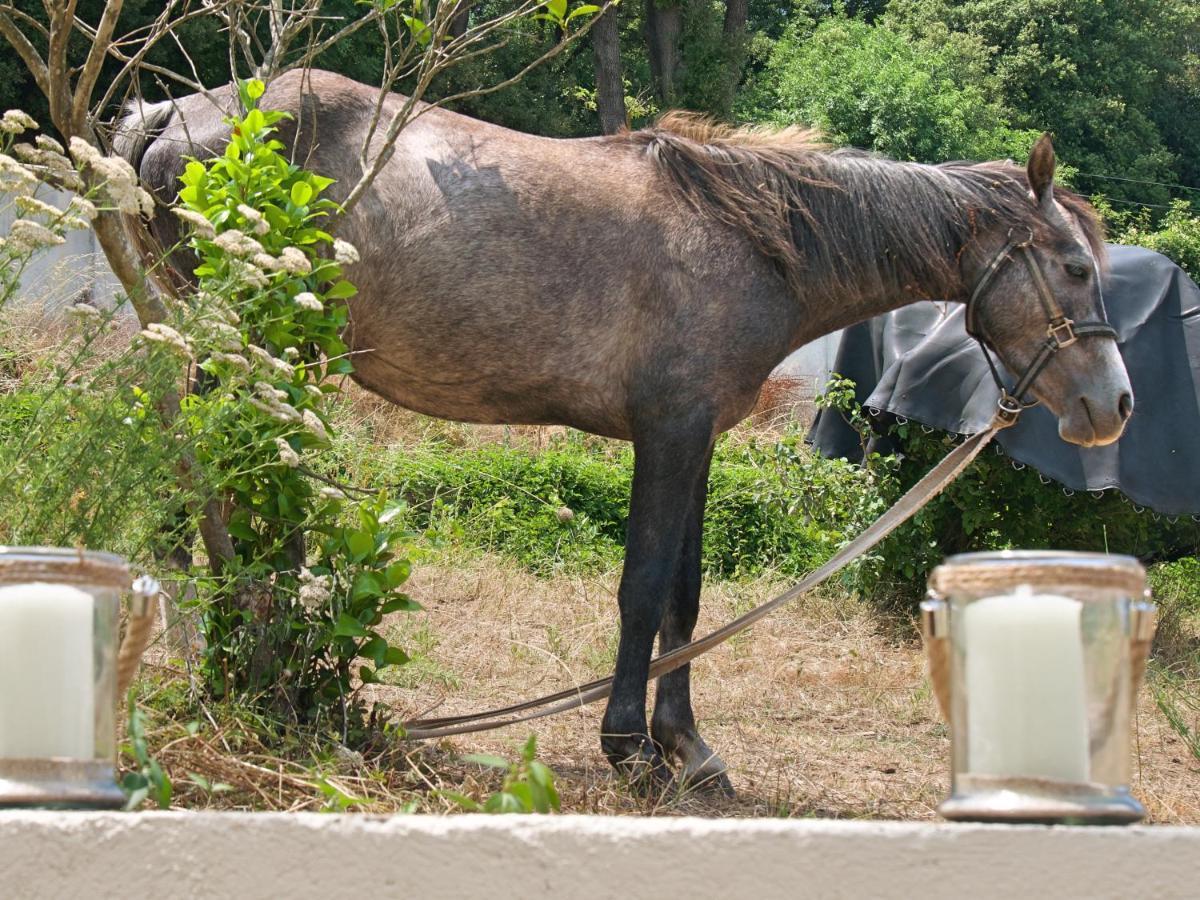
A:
843,216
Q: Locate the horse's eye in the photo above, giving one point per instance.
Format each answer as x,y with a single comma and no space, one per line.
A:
1077,270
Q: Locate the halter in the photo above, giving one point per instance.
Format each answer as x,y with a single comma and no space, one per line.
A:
1060,331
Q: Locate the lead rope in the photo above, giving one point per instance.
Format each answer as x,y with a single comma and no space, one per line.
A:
920,494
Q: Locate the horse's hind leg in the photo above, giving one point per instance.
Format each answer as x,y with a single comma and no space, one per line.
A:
669,459
674,724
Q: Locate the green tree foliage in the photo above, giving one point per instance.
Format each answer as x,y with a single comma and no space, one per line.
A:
1115,81
1176,237
875,87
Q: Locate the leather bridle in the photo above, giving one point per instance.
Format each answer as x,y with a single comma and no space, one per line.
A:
1060,331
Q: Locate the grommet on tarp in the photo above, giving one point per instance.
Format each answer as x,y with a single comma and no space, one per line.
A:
1043,479
873,410
928,429
900,420
1067,492
1138,509
1018,465
1098,494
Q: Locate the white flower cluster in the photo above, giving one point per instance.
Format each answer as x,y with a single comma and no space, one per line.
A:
237,243
200,225
344,252
15,178
48,156
249,275
308,300
158,333
269,402
232,359
50,145
32,206
315,590
287,455
14,121
26,236
280,367
120,179
259,225
224,335
293,261
314,424
83,208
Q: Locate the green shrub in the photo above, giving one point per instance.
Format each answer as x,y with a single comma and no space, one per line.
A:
996,505
773,505
1177,236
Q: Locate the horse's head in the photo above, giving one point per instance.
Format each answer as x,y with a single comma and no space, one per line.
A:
1035,301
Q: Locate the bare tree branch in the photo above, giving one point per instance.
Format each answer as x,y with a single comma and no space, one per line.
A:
28,53
85,84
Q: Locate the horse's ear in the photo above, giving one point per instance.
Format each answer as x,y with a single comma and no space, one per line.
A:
1041,170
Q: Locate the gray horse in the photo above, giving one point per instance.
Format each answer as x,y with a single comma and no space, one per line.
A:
642,286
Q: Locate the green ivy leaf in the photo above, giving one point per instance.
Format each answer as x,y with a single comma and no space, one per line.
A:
348,626
301,193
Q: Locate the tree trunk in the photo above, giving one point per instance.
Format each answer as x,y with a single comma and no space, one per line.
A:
735,52
610,86
663,27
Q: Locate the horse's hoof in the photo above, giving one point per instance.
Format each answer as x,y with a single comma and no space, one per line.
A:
711,778
700,770
637,759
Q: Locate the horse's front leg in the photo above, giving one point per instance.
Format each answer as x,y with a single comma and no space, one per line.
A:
674,724
669,460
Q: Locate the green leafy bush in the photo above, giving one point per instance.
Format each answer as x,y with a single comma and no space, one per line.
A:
874,87
773,504
994,505
283,622
1176,236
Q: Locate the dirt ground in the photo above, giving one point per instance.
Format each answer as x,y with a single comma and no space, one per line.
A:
823,710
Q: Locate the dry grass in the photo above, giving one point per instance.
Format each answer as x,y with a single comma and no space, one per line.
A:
824,710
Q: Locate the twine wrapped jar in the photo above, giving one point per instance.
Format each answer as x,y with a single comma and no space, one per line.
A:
60,670
1036,658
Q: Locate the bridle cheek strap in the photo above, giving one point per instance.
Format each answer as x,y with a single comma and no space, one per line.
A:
1060,331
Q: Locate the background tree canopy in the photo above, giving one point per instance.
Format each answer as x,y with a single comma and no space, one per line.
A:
1116,81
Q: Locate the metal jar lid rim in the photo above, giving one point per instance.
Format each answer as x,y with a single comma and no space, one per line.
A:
64,565
1005,569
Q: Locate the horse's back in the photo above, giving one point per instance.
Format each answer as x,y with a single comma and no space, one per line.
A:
504,277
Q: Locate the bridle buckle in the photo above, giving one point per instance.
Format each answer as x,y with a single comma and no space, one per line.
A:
1008,408
1061,333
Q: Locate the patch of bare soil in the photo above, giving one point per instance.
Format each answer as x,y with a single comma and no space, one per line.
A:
823,710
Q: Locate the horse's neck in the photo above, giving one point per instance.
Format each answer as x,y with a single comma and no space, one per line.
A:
890,237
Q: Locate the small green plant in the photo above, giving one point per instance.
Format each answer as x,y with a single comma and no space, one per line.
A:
146,780
528,784
293,618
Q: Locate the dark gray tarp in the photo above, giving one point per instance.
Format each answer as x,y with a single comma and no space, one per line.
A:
918,363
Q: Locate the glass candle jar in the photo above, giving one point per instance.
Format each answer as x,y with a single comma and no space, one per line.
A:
59,612
1036,658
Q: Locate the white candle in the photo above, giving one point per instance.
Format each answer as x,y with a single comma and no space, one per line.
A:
46,672
1026,709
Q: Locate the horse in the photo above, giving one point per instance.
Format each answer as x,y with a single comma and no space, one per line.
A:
642,286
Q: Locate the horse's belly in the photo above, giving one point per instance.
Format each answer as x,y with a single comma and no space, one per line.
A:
498,386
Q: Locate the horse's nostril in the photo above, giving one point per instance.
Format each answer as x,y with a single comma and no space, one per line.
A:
1125,405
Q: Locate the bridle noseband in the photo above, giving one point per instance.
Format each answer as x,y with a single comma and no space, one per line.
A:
1060,331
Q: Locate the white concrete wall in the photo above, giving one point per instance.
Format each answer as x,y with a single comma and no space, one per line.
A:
76,270
299,856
